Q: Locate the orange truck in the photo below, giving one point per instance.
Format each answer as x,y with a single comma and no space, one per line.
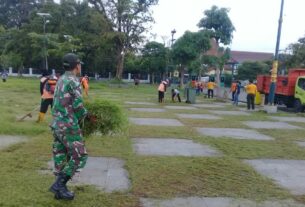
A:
290,89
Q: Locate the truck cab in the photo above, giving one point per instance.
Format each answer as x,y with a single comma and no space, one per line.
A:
299,94
290,89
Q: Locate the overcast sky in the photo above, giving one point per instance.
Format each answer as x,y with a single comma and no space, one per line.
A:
255,21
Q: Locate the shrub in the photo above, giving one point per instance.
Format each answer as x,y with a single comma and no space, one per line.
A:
109,118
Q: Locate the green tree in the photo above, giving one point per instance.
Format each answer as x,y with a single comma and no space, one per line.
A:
73,27
12,60
218,23
129,18
250,70
132,63
297,58
189,47
15,51
154,59
14,13
195,67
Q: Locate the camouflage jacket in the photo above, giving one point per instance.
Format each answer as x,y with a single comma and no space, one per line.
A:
68,108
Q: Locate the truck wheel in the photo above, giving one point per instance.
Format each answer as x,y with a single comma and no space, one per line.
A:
289,105
298,106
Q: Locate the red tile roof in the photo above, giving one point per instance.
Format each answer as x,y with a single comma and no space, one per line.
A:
242,56
213,51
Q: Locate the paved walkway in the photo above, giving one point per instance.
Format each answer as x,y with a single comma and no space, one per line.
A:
8,140
109,175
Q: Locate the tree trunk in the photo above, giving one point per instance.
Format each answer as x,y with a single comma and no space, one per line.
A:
182,76
217,82
152,78
119,67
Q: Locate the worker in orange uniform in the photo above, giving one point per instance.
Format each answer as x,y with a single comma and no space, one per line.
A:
211,85
233,89
47,88
85,84
161,91
251,90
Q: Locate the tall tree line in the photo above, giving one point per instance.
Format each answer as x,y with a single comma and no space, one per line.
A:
101,33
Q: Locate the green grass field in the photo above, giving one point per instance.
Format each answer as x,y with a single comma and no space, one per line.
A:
22,184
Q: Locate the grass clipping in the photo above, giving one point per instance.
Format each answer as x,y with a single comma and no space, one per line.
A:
110,118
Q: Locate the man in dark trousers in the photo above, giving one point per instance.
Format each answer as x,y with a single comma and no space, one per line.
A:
251,90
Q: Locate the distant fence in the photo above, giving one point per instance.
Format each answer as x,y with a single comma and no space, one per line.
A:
32,72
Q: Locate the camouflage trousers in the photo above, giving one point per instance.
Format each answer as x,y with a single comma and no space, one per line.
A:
69,153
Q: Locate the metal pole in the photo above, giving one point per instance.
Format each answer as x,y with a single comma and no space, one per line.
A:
45,42
45,21
173,32
275,61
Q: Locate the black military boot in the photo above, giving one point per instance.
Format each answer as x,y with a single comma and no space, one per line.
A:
60,189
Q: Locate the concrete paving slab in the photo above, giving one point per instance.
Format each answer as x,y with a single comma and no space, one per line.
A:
180,107
106,174
287,173
147,110
171,147
288,119
140,103
198,116
230,113
233,133
7,140
224,103
255,110
155,122
270,125
301,144
208,105
215,202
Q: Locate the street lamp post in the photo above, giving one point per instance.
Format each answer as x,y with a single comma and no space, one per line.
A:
173,33
45,21
276,57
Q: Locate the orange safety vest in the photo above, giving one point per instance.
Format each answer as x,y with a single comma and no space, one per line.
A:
233,87
85,83
48,89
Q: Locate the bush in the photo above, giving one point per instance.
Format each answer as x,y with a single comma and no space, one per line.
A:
109,118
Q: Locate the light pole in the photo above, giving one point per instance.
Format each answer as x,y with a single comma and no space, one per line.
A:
45,21
171,46
173,33
276,57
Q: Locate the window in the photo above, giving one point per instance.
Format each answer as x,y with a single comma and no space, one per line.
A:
301,83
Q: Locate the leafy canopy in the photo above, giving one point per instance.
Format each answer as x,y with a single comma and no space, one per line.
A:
217,21
188,47
154,57
297,58
250,70
129,19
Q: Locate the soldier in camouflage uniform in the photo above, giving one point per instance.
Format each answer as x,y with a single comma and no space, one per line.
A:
69,152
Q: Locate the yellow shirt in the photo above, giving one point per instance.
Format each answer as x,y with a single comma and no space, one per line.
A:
211,85
251,89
